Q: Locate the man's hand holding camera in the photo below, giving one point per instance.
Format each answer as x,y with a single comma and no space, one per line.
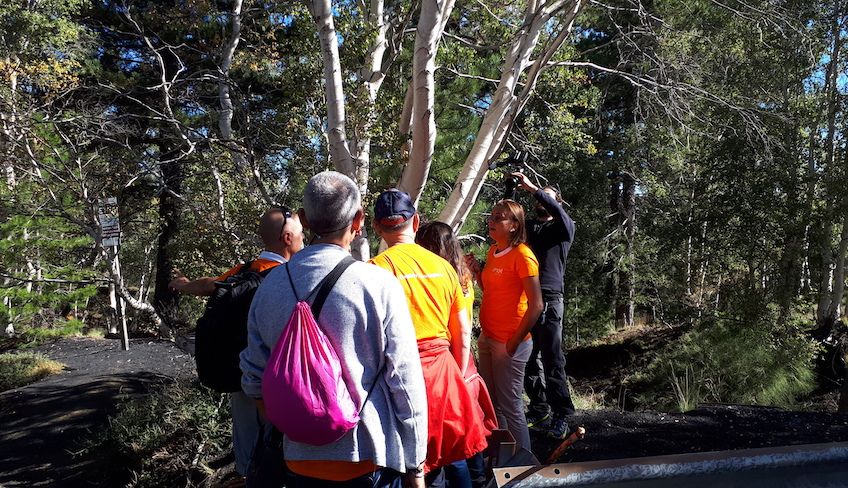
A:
524,182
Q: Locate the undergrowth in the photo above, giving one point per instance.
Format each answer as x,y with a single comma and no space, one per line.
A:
22,368
35,336
731,361
169,437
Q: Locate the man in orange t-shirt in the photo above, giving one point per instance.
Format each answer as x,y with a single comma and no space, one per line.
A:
282,235
442,328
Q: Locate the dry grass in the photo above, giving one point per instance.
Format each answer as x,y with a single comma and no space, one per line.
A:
22,368
587,399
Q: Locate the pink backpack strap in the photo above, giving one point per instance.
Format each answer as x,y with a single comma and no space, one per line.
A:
324,287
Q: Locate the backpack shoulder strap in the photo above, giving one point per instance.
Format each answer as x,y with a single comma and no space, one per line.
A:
291,282
327,284
373,385
245,267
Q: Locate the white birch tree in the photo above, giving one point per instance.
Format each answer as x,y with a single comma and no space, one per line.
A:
507,100
419,116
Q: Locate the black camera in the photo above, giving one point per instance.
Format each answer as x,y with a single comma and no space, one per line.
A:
517,159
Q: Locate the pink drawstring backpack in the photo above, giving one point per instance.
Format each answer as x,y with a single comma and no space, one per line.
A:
304,385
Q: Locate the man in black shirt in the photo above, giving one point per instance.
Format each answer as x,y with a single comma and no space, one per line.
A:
549,235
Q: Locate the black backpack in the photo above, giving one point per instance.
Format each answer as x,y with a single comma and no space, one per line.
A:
221,332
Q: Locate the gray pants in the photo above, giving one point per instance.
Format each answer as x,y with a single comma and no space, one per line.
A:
246,429
504,376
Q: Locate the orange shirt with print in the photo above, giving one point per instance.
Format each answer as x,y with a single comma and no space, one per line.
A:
504,301
432,299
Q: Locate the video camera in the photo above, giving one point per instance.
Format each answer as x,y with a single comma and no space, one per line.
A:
517,159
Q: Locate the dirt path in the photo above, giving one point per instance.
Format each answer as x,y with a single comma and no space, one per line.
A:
44,423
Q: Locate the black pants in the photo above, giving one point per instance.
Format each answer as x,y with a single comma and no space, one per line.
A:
544,376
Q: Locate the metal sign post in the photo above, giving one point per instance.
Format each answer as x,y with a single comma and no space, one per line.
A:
110,232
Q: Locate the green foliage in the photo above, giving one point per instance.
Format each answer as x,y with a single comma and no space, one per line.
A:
174,431
36,248
22,368
35,336
747,361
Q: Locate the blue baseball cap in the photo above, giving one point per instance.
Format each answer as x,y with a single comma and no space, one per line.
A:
393,207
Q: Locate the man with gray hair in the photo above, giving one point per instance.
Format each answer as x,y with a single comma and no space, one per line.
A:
368,324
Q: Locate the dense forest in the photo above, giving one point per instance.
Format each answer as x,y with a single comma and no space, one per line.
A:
700,146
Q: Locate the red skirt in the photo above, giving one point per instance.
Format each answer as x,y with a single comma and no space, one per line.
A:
455,426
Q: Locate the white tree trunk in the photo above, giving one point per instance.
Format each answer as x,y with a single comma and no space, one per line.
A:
225,117
9,121
834,309
828,263
505,103
423,118
371,77
827,267
322,12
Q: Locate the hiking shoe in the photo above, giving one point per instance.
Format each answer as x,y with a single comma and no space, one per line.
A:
558,428
538,422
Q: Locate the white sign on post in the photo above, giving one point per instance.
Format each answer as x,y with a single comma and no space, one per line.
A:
110,227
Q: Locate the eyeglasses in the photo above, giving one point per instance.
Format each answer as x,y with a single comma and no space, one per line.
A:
287,214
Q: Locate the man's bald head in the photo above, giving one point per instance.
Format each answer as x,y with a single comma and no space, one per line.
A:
271,226
281,231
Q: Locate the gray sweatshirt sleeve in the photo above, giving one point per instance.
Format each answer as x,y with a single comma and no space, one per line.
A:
404,377
254,357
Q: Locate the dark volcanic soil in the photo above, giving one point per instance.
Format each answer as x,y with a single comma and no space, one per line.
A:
611,434
44,424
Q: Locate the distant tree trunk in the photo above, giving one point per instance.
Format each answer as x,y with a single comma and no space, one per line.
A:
834,311
171,205
614,277
372,74
253,183
9,121
627,290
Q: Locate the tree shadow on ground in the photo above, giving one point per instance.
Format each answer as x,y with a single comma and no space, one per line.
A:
45,426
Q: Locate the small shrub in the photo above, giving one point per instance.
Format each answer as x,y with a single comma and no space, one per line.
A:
686,388
168,437
587,399
22,368
731,360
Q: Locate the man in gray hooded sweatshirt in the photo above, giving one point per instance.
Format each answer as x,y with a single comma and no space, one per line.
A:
367,321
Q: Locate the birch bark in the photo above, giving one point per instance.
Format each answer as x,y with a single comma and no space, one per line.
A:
423,119
322,12
506,104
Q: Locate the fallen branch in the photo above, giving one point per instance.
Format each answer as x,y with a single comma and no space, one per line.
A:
574,437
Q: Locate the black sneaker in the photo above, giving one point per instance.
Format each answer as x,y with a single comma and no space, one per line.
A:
538,422
558,428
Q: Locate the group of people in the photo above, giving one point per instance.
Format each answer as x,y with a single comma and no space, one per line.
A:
401,327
